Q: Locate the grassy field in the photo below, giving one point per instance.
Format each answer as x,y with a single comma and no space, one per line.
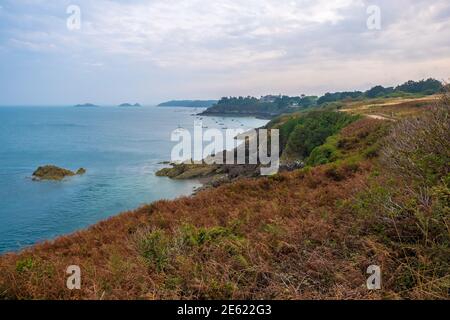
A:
393,108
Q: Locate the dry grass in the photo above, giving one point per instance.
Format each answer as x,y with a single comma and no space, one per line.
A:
284,237
278,238
395,108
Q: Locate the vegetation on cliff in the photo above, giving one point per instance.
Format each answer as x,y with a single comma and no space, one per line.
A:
273,106
266,107
188,103
300,135
408,89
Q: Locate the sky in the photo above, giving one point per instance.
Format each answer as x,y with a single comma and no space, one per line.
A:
157,50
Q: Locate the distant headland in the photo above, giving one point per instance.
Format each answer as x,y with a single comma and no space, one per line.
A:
86,105
271,106
189,103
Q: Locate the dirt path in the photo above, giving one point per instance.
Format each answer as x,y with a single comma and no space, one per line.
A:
372,116
378,117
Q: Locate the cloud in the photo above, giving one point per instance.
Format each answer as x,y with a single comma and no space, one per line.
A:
190,33
303,44
169,32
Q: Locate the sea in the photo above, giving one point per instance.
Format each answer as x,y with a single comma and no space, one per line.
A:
120,147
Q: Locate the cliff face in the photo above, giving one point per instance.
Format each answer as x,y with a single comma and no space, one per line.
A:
300,136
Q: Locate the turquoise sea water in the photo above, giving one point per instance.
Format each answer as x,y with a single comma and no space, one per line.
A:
121,148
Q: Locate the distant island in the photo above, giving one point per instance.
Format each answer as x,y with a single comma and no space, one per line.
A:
189,103
130,105
86,105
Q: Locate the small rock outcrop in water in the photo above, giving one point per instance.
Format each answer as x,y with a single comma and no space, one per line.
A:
86,105
81,171
50,172
130,105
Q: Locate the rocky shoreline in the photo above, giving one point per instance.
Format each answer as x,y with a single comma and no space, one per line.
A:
210,175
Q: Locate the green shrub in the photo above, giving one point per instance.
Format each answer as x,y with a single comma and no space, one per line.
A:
321,155
25,265
311,131
372,151
155,248
193,236
325,153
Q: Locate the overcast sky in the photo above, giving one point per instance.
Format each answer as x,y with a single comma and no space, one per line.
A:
155,50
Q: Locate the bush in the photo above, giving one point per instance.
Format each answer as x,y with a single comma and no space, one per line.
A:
322,155
155,248
419,148
311,131
24,265
416,209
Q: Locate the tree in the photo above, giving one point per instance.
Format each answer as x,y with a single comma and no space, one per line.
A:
378,91
429,86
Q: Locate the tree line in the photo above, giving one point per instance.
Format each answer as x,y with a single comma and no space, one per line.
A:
281,102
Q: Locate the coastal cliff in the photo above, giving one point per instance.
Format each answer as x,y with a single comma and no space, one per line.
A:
320,226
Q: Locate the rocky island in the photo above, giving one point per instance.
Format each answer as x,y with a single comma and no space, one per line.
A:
130,105
50,172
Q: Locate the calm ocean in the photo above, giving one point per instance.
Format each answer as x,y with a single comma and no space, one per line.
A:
121,148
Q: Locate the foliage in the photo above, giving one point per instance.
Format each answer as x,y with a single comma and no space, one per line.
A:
412,210
155,248
310,131
422,87
419,147
189,103
378,91
324,154
271,106
427,87
266,106
25,264
337,96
